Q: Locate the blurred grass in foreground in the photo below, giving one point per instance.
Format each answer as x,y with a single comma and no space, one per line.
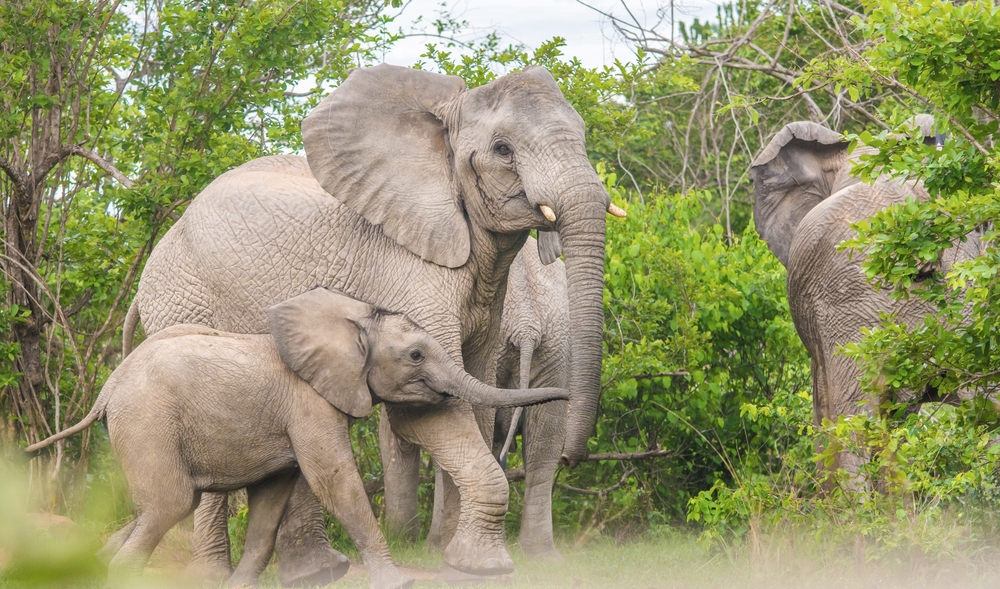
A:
41,551
37,550
675,560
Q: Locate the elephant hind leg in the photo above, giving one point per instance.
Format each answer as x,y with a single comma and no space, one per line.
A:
157,514
115,542
266,503
543,434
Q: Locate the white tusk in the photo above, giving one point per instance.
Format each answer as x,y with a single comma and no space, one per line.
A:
548,212
617,211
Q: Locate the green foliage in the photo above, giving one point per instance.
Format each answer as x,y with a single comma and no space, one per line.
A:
930,485
10,351
696,328
941,57
163,97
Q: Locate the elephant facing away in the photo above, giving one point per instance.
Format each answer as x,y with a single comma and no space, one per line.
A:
534,352
194,409
805,199
415,195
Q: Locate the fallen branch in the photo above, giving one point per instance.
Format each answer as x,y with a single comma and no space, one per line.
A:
601,492
655,453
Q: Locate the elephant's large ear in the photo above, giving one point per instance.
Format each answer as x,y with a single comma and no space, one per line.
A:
379,145
794,173
923,126
317,336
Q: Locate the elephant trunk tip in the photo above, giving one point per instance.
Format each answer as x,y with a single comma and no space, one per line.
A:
568,462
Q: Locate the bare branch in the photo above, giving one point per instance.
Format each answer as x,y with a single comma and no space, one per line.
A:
656,453
102,164
645,376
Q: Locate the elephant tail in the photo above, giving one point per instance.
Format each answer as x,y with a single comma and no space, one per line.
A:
128,330
527,349
96,413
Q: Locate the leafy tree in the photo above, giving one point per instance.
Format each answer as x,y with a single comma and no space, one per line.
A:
113,116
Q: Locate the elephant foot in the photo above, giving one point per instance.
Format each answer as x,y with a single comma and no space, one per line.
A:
476,557
211,572
389,578
546,553
311,570
456,578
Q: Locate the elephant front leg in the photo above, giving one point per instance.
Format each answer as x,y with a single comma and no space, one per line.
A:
323,449
450,434
447,499
401,465
305,557
444,520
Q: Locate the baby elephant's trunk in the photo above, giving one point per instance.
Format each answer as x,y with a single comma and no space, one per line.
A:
461,384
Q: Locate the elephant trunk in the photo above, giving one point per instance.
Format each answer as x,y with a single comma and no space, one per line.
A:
527,349
461,384
581,225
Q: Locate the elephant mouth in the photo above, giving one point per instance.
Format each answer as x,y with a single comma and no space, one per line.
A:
426,390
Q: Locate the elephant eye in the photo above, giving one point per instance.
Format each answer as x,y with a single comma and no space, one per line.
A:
416,356
502,148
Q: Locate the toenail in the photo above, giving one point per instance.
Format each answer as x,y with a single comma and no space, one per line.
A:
491,563
465,563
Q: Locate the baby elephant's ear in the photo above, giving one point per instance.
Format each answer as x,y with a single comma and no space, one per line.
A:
318,337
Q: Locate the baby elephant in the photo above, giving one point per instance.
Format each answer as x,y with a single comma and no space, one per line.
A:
194,410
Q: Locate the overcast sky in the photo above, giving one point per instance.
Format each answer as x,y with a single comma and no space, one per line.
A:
589,35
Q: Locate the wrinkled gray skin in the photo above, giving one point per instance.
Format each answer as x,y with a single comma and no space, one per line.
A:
416,196
194,410
805,199
535,352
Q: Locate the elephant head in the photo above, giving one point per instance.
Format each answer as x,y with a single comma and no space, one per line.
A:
803,165
353,353
439,167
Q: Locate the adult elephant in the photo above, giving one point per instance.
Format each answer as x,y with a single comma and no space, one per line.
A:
415,195
805,199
